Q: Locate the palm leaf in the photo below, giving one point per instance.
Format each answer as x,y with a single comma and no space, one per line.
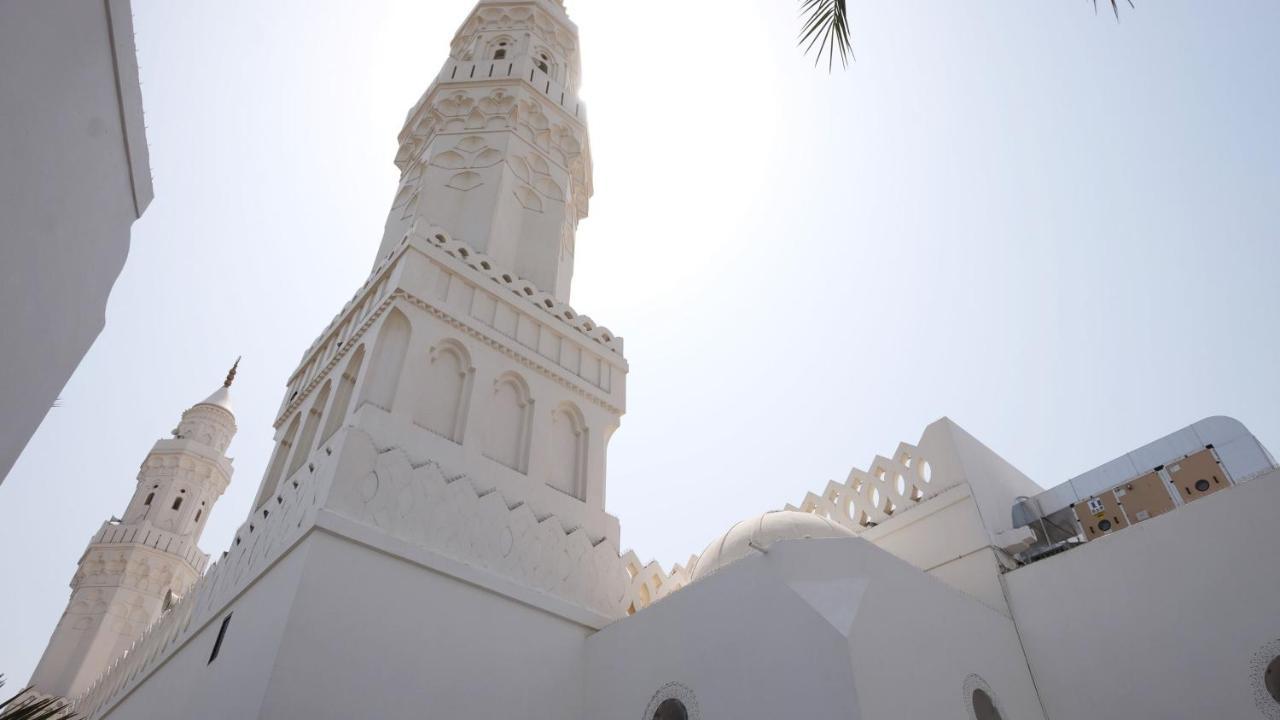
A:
1114,8
26,707
825,28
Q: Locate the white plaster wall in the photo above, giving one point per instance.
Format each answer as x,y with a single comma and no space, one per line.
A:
766,638
374,636
945,537
958,456
1162,619
188,686
73,178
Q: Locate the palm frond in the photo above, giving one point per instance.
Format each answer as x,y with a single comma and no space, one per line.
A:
1114,8
826,28
28,707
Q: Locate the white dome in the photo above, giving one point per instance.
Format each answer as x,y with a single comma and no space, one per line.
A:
220,398
759,532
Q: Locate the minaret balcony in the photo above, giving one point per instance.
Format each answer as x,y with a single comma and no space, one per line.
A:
522,68
181,546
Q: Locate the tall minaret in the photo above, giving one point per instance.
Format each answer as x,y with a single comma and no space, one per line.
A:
460,349
135,567
496,151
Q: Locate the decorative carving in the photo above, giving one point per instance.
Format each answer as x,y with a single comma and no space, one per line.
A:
464,181
511,18
427,506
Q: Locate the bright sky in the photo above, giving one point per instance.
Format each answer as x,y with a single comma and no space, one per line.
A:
1058,230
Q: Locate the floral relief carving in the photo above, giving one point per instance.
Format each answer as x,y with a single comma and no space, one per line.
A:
427,506
471,153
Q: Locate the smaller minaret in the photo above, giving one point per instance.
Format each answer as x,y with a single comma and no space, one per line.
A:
136,567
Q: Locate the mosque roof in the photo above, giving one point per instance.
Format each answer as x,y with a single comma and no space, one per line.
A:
758,533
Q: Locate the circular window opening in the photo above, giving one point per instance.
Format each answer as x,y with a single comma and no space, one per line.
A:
1104,526
1202,485
1271,679
984,708
673,701
671,709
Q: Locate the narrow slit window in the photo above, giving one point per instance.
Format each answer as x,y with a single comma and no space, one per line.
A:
198,512
150,497
217,644
177,503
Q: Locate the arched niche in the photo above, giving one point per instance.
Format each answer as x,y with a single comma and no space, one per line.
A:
342,398
502,47
309,428
507,424
567,450
276,471
446,391
388,361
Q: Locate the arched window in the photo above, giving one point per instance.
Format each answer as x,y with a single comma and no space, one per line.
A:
442,407
500,48
567,450
388,361
671,709
543,61
507,438
177,503
150,497
342,399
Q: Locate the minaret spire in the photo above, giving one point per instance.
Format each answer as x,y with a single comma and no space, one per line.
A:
231,376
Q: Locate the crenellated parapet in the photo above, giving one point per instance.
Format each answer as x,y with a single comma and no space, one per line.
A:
183,547
650,583
869,497
405,503
865,499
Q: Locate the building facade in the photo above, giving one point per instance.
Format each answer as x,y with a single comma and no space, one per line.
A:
74,175
429,538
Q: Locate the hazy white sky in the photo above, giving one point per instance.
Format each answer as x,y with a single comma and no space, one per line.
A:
1058,230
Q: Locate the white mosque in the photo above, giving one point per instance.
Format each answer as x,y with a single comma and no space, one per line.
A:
429,539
